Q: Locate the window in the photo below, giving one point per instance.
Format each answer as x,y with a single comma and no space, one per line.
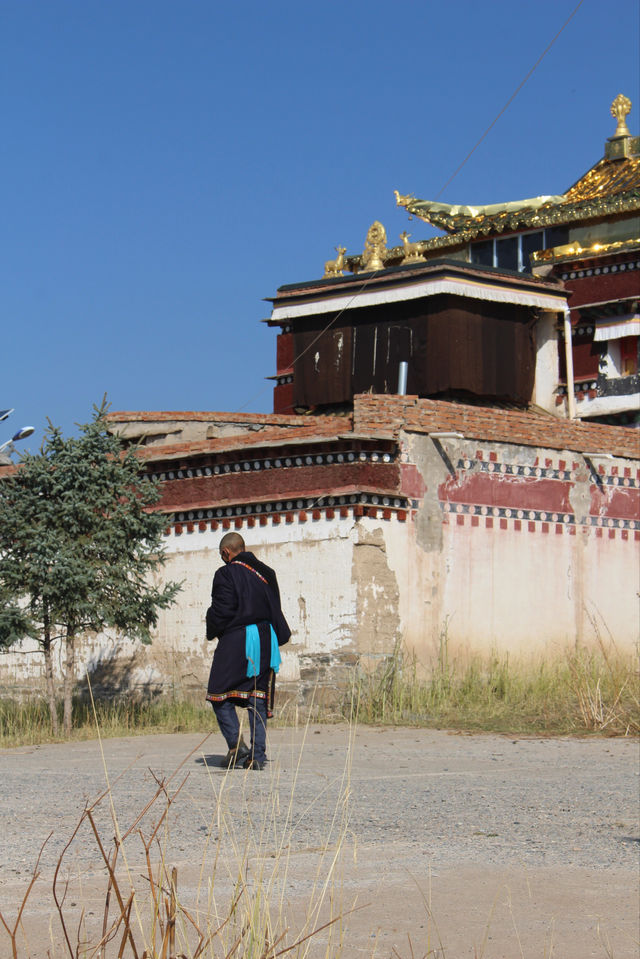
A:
514,252
629,355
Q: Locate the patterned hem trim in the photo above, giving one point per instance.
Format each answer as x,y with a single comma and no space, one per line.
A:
236,694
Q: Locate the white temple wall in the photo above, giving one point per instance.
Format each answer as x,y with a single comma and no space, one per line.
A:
505,548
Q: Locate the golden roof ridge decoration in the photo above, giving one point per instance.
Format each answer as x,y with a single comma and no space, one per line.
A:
628,202
453,217
622,144
412,251
334,267
375,248
575,251
610,187
620,108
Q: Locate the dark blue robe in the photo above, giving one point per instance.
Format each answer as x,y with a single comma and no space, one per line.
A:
241,597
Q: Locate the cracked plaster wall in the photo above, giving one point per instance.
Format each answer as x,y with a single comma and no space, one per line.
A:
352,587
313,562
378,595
508,589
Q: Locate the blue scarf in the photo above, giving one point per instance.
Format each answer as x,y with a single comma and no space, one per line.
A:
252,650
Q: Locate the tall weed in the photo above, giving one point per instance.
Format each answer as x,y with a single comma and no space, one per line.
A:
238,906
578,691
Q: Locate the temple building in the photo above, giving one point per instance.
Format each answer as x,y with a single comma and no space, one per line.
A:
433,303
440,466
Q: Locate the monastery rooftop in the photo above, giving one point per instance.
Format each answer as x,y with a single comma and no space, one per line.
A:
381,416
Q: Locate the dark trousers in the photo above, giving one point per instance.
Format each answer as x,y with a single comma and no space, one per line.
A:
230,727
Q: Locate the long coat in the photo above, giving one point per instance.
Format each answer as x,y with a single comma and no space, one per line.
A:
242,596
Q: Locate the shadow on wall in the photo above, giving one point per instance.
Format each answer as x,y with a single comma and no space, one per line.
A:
142,674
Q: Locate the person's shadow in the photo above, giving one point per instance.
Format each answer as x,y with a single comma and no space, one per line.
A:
214,761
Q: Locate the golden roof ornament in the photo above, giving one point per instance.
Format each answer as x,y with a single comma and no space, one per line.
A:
411,250
334,267
375,248
404,199
620,107
622,145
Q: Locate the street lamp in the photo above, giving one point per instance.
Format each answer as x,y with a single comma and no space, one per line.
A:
23,432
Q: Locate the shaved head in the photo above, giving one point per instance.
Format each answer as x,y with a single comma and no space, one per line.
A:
232,544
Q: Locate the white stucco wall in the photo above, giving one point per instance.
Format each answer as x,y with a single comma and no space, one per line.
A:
353,585
546,380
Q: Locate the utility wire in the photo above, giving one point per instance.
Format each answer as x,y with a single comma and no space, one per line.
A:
511,99
334,319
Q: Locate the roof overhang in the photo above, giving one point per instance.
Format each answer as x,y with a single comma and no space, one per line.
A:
463,283
617,328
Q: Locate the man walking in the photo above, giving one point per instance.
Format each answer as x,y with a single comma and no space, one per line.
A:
246,617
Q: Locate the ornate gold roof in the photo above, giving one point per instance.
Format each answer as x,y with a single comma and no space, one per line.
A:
611,187
575,251
607,178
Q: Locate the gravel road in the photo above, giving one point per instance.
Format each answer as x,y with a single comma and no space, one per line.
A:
453,843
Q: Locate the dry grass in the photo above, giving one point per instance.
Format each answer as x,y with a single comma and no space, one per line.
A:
28,723
583,690
238,908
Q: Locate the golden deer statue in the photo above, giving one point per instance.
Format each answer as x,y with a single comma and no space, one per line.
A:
334,267
411,250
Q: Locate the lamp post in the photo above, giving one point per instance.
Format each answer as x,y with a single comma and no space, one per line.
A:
7,449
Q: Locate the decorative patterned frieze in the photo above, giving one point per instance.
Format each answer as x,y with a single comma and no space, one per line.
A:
276,462
548,471
601,270
329,507
536,516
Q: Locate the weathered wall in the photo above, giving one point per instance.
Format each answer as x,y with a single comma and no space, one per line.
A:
503,546
520,549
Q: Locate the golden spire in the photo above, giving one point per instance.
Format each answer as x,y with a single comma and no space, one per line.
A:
620,107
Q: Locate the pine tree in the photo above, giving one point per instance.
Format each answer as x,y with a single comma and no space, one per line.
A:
79,546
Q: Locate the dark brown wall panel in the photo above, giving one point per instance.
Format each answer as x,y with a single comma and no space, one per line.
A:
322,370
450,343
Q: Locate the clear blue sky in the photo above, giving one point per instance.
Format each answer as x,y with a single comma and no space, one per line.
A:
166,165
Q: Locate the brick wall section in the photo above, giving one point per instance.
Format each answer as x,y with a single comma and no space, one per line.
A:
222,490
219,418
376,415
307,428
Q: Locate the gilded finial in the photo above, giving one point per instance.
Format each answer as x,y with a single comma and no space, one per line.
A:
620,107
375,248
334,267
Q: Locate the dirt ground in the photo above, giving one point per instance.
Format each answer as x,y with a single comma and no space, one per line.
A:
444,845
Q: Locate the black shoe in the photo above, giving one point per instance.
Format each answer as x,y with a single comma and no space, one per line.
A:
236,756
253,764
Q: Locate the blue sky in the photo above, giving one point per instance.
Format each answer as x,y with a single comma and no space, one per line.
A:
167,165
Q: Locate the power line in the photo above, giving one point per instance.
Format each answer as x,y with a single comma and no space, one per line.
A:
511,99
333,320
452,177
